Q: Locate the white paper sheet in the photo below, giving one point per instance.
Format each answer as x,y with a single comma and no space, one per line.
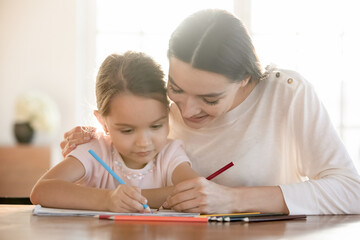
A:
43,211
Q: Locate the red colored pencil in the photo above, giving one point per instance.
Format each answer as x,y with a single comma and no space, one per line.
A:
220,171
154,218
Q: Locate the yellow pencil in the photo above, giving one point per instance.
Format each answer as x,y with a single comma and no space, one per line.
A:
229,214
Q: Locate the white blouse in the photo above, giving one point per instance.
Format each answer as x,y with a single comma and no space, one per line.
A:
281,135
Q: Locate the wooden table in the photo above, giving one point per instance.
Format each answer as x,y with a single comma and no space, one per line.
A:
17,222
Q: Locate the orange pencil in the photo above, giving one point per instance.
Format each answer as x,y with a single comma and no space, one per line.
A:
153,218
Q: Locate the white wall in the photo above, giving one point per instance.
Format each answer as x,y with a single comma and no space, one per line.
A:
45,45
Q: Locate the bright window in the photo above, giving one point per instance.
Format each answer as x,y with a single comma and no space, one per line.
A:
319,39
143,25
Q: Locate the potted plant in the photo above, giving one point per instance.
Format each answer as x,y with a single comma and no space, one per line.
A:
34,112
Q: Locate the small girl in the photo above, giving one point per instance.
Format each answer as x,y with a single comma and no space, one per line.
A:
133,110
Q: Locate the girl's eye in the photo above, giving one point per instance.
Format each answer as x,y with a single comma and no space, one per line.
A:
211,102
126,131
156,126
175,90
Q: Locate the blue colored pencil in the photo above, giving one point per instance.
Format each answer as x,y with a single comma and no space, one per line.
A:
110,171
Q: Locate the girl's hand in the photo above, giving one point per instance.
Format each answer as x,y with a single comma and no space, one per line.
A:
127,198
76,136
201,196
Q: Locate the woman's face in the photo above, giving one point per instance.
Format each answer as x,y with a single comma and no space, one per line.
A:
200,95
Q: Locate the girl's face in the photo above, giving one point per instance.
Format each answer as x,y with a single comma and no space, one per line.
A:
138,128
202,96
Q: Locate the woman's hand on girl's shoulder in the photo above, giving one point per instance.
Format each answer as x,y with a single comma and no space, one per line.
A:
76,136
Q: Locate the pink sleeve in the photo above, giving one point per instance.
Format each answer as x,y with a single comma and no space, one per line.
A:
95,174
173,155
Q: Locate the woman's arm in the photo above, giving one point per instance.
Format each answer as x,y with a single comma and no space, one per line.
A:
57,189
333,185
201,195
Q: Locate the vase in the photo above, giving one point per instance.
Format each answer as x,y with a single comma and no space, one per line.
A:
24,133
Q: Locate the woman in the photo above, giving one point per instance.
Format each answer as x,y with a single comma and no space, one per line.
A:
271,125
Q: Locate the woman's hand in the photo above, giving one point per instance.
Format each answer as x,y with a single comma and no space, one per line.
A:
126,198
201,196
76,136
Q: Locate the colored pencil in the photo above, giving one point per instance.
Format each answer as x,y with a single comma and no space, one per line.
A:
262,218
111,171
154,218
222,217
244,214
227,166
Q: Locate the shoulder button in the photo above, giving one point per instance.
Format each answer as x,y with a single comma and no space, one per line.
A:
277,74
290,81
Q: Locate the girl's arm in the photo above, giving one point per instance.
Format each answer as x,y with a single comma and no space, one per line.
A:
57,188
157,196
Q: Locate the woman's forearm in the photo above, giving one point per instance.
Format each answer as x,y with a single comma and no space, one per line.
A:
62,194
262,199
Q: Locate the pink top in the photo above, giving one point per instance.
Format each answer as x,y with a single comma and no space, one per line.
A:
155,174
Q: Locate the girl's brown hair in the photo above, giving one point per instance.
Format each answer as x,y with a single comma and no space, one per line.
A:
132,72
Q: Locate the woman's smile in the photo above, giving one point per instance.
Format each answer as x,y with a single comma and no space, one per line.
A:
197,119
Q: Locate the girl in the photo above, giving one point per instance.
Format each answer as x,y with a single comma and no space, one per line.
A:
287,155
133,111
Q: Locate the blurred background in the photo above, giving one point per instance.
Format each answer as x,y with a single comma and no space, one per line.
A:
50,51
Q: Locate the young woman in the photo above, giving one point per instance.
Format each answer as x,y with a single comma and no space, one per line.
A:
270,124
133,110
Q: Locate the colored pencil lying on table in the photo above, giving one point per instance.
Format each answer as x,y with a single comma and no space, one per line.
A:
242,214
227,166
200,219
153,218
257,218
111,171
222,217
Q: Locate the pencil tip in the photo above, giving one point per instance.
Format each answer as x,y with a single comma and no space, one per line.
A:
147,208
212,219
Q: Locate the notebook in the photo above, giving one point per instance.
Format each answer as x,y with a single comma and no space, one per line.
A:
44,211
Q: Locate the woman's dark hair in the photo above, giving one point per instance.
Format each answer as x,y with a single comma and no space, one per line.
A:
215,40
132,72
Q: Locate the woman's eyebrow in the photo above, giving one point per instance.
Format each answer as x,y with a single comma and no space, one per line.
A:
209,95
